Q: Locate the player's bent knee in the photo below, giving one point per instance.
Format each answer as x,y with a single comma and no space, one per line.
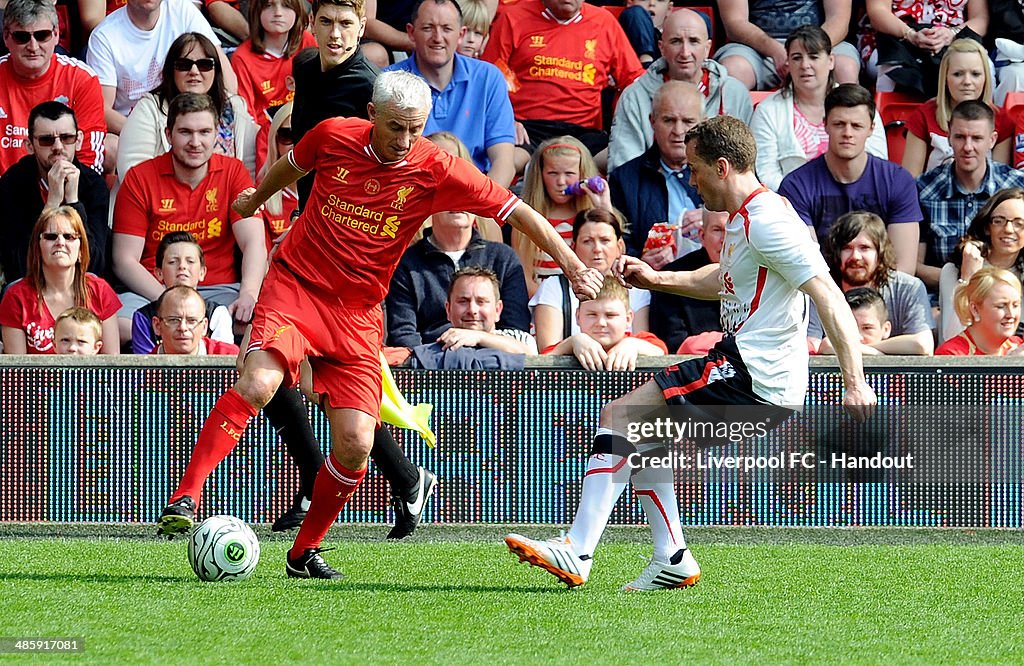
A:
351,436
258,384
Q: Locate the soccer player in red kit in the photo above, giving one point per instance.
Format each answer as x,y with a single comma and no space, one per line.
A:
375,183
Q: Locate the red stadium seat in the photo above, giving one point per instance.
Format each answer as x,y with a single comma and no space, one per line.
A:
1014,105
758,96
894,109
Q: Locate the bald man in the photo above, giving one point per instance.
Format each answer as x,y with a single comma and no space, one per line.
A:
684,46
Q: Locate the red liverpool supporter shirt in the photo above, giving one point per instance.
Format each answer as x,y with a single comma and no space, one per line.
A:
362,214
556,71
152,203
69,81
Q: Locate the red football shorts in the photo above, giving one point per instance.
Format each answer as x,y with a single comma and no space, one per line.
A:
342,343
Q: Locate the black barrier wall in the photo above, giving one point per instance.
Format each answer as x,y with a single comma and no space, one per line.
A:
106,444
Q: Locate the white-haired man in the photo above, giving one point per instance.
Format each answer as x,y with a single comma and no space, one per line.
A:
374,185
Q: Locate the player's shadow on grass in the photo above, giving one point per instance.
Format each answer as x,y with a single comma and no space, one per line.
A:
412,587
93,578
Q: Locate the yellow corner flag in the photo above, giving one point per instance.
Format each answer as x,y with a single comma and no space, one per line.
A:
394,408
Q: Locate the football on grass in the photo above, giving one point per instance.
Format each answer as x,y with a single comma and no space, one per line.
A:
223,548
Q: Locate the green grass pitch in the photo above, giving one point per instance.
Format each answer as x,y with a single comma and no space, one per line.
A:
455,595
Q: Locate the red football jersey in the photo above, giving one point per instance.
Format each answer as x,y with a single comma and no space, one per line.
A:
152,203
361,214
556,71
67,80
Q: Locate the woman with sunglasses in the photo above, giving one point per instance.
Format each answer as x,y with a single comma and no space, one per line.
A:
56,280
191,66
995,238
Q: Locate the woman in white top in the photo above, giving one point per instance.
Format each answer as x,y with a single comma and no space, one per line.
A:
597,241
789,126
191,66
995,238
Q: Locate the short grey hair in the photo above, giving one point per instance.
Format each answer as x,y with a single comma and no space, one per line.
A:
402,90
25,12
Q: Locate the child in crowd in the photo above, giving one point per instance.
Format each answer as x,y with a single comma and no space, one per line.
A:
604,341
871,314
78,331
263,63
277,212
180,324
179,261
556,164
642,21
597,241
477,19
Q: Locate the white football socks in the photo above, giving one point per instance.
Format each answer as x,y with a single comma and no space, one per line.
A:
606,478
655,488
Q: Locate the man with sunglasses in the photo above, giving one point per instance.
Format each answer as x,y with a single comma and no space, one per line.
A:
33,74
53,172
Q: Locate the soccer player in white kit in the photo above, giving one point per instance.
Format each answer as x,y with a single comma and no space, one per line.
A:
768,264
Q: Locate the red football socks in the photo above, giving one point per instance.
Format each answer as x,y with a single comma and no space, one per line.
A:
220,434
333,488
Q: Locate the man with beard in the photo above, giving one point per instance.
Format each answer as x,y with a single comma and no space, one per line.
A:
859,254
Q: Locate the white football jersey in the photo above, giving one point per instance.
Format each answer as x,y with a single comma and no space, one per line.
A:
767,255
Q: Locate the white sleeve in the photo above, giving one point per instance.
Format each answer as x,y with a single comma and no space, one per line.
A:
779,241
221,325
548,293
100,57
639,299
142,136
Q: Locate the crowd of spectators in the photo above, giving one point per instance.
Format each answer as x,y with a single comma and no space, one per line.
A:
124,140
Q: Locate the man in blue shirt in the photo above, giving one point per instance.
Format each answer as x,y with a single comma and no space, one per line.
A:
654,188
470,97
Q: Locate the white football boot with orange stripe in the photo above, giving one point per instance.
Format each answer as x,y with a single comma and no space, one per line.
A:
556,556
681,571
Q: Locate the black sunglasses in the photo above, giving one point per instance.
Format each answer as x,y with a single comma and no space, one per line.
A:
50,236
285,135
47,140
23,36
186,64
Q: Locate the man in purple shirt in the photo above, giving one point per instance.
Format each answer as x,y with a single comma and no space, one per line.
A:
846,178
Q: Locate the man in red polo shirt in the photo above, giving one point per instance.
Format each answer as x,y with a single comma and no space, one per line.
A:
374,185
189,189
33,74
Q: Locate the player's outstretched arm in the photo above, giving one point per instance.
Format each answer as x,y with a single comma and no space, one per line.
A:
280,175
701,283
586,282
841,328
